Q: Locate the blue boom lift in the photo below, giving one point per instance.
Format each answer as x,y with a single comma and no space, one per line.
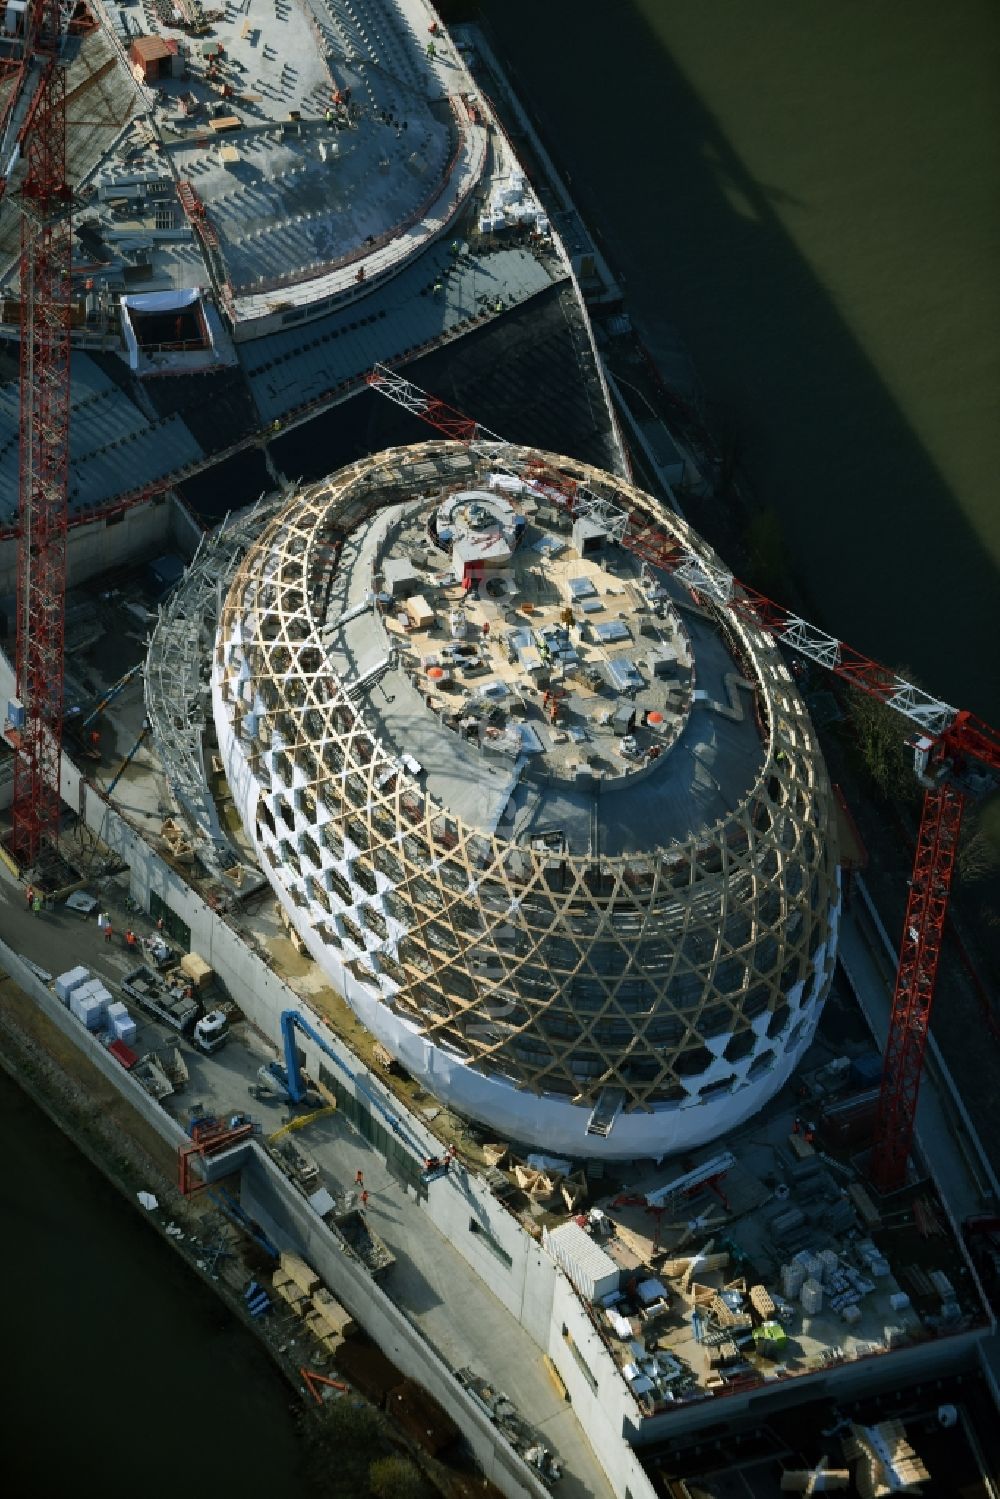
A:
290,1078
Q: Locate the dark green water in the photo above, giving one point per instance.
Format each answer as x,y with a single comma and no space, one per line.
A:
806,193
121,1374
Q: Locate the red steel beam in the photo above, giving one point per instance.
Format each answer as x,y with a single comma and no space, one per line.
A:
919,956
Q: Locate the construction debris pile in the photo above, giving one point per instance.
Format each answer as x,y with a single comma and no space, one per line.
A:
519,1433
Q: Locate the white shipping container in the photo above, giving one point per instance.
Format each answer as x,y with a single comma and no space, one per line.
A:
72,979
593,1272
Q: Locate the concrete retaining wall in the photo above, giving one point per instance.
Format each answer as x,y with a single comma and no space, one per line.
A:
134,1093
143,530
291,1224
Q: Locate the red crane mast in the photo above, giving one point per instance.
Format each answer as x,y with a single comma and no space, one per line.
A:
952,750
34,133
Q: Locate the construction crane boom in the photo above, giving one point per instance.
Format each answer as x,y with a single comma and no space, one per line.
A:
711,581
952,750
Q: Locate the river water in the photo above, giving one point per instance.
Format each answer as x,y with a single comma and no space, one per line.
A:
806,194
121,1373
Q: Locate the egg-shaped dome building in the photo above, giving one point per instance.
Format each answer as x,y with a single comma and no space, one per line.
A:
551,816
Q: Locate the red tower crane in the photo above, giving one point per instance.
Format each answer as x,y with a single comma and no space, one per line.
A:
33,144
954,753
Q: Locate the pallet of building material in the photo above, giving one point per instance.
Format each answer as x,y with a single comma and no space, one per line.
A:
196,970
337,1319
176,840
725,1316
762,1301
494,1154
315,1324
638,1245
420,1416
789,1221
703,1262
918,1279
942,1285
282,1281
296,1269
290,1293
800,1147
539,1185
290,931
886,1461
868,1212
573,1189
925,1218
815,1480
722,1354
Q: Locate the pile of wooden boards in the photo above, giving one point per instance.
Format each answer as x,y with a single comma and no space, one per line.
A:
540,1186
299,1285
176,839
293,935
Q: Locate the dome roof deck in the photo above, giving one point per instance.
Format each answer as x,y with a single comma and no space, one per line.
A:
558,868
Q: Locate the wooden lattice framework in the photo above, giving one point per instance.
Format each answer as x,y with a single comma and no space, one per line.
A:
675,975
